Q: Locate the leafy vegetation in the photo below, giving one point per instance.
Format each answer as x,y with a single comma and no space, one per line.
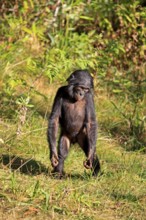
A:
41,43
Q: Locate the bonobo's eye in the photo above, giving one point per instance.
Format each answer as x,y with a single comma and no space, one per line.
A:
81,89
85,90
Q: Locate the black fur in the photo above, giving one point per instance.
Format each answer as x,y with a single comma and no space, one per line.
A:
73,110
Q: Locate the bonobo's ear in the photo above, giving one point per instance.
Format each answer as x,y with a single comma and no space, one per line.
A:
70,78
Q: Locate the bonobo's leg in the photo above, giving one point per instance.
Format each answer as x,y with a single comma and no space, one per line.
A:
92,161
64,144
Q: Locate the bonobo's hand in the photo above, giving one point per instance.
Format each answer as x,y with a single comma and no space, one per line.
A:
54,160
88,164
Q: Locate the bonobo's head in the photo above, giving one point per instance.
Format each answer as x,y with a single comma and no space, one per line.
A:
80,82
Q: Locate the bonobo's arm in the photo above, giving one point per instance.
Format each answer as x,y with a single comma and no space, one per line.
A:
53,127
91,126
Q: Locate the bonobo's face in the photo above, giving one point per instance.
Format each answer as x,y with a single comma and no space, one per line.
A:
80,92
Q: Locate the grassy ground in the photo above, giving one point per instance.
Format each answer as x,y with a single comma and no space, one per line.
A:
28,191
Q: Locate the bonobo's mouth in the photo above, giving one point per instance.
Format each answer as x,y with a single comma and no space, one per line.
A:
78,97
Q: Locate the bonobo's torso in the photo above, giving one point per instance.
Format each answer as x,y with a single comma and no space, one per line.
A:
72,116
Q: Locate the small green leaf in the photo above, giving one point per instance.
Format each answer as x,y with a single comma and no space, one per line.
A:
117,90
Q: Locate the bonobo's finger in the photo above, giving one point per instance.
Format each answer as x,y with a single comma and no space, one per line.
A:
54,160
54,163
87,164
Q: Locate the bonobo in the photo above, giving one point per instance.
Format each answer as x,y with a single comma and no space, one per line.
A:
73,110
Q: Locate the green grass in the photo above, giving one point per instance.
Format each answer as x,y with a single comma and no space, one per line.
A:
38,52
29,191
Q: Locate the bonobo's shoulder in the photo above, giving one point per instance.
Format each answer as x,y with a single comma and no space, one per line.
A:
89,97
62,91
90,94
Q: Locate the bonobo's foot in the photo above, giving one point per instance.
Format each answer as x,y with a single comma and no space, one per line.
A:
95,171
57,172
96,167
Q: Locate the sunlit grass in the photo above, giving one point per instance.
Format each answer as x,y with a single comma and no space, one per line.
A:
41,43
28,190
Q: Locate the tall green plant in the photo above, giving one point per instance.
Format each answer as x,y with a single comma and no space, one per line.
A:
130,89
